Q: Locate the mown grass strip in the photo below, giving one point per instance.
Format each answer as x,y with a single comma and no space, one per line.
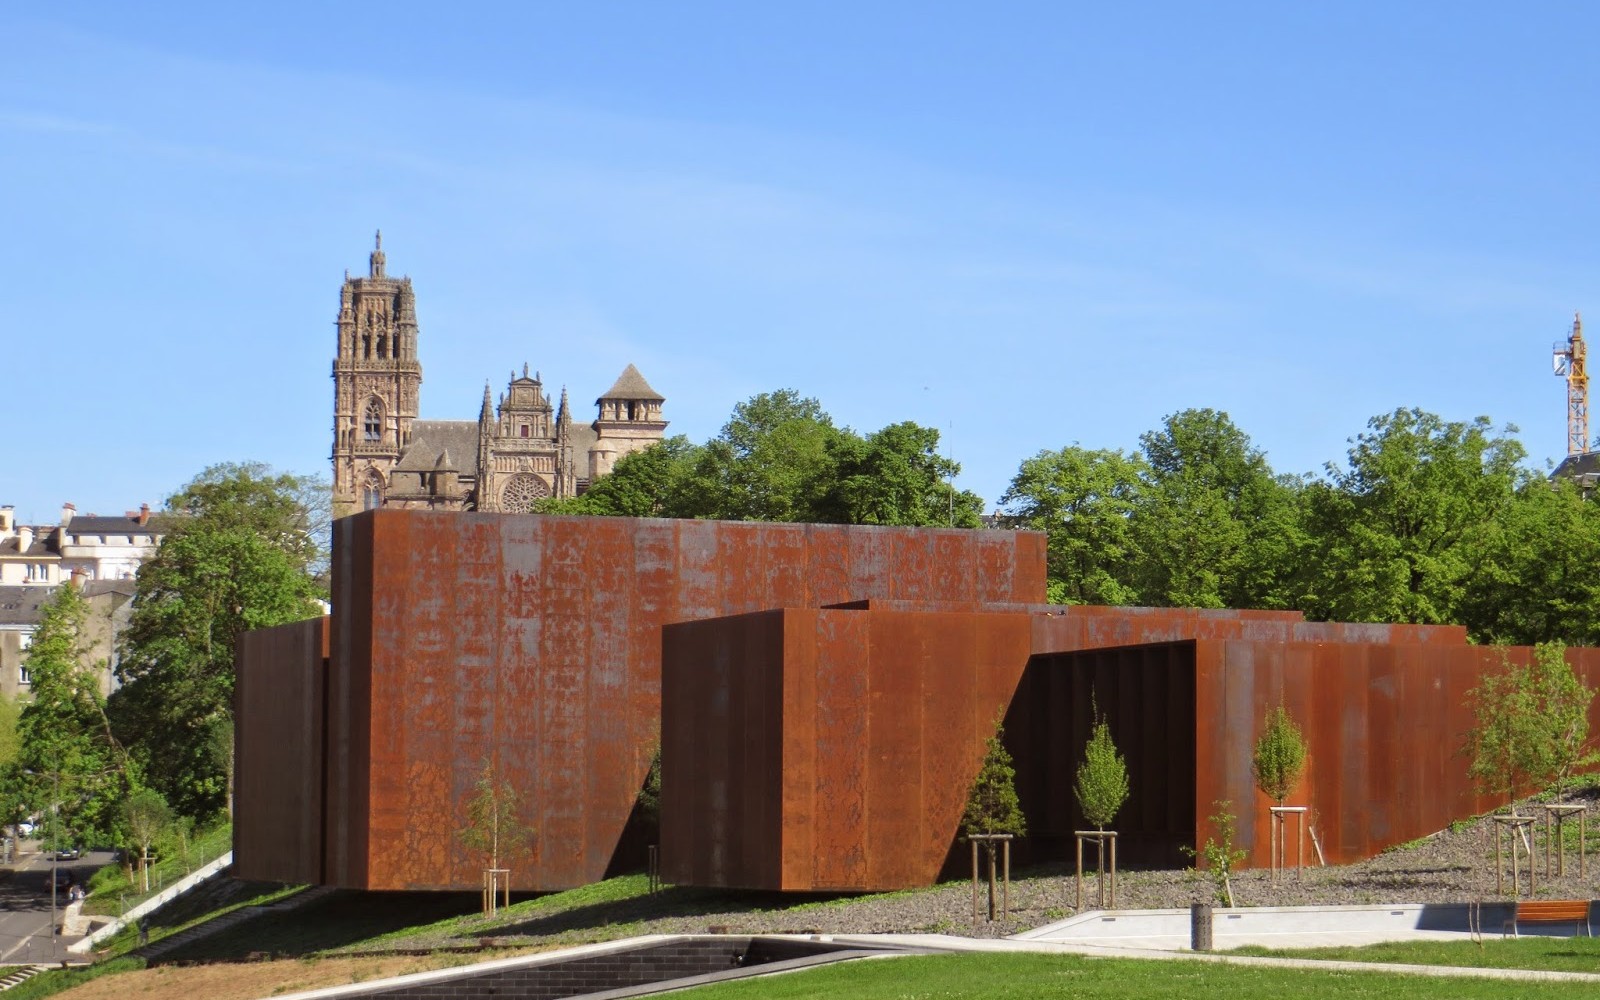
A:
1025,977
1555,954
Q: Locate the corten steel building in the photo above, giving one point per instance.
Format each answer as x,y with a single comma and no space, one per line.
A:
534,642
831,749
821,694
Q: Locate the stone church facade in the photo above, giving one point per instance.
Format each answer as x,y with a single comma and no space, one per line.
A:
521,448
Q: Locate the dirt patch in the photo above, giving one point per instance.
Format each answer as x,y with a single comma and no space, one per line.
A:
251,980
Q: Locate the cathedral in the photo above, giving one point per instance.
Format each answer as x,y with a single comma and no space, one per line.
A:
519,450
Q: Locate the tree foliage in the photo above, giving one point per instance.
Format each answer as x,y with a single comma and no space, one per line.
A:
67,762
241,556
1401,528
1220,855
781,458
1280,755
148,818
992,804
1426,521
649,799
1084,501
1102,779
1531,725
1215,521
493,829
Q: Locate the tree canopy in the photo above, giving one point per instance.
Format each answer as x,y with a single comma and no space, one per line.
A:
67,764
240,556
780,457
1427,521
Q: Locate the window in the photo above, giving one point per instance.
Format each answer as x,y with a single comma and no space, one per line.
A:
372,491
372,423
524,430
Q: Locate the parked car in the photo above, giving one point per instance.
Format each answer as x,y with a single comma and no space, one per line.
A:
69,854
25,829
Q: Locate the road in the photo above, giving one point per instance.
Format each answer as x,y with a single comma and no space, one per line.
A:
25,929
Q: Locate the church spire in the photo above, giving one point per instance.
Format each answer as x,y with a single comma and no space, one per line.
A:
377,260
488,404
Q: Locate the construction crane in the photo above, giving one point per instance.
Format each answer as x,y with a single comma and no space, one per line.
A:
1570,364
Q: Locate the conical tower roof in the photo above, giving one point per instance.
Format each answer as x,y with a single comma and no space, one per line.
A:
631,385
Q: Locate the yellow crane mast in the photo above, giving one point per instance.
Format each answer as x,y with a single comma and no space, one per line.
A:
1571,363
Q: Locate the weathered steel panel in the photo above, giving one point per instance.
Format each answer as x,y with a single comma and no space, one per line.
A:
839,805
535,643
882,723
279,697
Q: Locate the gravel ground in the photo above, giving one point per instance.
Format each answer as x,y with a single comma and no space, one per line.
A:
1455,865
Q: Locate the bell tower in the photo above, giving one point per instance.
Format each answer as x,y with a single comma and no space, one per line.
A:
376,382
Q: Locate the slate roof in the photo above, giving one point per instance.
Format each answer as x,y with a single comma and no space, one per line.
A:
631,385
1573,466
583,437
119,524
40,545
21,605
123,588
432,438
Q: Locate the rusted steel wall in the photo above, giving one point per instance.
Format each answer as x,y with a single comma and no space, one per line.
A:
1385,724
278,739
1064,629
535,642
722,739
1146,694
827,749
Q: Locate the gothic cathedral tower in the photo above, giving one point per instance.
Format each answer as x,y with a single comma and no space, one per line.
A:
376,380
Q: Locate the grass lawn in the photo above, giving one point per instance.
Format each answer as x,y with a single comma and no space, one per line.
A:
1014,977
1561,954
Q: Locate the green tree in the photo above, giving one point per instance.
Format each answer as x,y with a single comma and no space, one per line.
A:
1533,577
1562,703
896,476
1531,725
1221,857
241,557
1083,500
773,461
780,458
1102,780
1280,755
10,713
1401,530
67,762
493,829
647,483
148,819
1216,528
992,805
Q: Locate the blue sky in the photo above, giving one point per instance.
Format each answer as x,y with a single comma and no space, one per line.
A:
1026,224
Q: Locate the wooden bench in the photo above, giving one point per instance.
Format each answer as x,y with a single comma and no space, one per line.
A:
1550,911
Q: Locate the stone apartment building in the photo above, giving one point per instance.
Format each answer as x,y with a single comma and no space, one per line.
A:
100,554
521,448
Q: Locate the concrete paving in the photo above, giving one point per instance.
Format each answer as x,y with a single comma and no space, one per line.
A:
1283,926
